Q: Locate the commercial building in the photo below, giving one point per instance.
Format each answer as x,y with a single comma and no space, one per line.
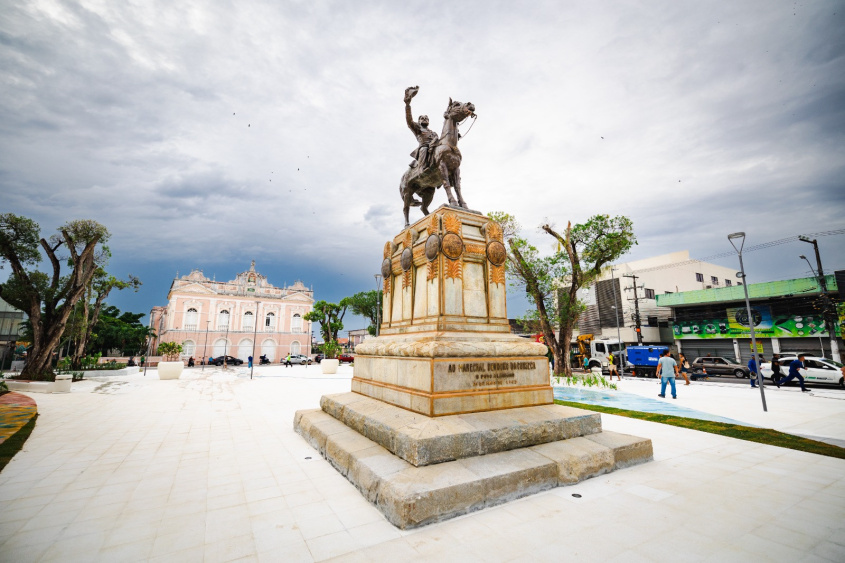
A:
211,318
10,330
652,277
787,317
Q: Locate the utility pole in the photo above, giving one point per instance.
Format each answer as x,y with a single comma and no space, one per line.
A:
827,314
636,300
618,334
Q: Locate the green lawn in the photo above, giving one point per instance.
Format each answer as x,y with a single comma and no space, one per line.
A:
760,435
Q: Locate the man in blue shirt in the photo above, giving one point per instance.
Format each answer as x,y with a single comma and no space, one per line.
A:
752,367
793,373
667,367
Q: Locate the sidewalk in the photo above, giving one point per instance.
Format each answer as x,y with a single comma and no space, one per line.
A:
208,468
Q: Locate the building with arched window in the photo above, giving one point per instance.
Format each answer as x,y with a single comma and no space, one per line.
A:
211,318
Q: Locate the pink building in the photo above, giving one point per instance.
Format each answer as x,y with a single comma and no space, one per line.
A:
211,318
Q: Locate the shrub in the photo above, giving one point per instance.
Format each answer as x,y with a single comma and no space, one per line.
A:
170,351
331,348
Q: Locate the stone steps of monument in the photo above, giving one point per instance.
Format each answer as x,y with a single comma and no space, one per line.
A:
410,496
423,440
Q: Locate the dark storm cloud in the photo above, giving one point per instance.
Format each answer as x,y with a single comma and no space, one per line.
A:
207,132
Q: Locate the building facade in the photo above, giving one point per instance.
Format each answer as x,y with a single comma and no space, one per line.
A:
10,330
787,315
211,318
660,275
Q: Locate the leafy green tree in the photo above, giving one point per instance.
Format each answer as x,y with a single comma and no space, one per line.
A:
552,281
95,294
329,316
48,299
122,331
366,304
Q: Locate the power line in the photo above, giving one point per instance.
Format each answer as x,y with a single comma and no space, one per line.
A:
754,248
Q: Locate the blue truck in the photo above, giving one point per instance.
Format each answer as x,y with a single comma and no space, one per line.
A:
643,359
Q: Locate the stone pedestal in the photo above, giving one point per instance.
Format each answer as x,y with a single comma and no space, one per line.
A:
450,412
445,345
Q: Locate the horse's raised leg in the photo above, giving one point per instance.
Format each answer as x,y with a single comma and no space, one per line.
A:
456,181
427,196
407,196
444,175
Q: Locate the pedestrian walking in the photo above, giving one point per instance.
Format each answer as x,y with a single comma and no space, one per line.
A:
682,360
249,362
776,369
667,367
793,373
752,368
287,361
612,361
586,364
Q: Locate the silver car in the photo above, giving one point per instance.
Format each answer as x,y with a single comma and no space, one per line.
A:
819,370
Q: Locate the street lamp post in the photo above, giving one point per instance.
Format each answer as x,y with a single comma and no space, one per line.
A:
829,319
378,302
616,311
741,237
254,338
205,346
226,342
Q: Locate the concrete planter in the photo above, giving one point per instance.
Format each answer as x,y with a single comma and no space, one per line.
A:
62,384
170,370
329,366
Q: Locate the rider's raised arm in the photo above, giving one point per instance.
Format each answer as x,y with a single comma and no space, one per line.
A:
409,119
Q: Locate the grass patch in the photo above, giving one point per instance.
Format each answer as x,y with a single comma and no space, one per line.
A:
13,445
759,435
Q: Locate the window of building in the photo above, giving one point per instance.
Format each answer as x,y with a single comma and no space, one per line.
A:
649,294
699,277
249,320
223,320
295,347
728,282
714,280
191,319
738,283
296,324
188,348
270,321
652,321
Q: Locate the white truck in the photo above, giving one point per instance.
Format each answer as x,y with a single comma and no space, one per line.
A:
598,351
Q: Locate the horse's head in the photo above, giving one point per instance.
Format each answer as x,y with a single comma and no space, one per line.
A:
459,111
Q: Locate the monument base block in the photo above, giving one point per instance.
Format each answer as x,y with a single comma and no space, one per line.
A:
396,458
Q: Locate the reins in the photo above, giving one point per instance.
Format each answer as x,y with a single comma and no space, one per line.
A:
460,135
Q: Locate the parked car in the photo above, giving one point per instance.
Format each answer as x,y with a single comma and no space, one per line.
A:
318,358
300,359
717,365
230,360
819,370
348,358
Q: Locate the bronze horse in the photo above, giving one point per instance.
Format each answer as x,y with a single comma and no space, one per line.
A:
445,167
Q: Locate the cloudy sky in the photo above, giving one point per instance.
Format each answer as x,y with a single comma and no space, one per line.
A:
210,133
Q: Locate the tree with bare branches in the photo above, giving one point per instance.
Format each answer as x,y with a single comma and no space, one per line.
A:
48,299
552,281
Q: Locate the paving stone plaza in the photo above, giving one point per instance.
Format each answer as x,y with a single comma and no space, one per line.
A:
209,468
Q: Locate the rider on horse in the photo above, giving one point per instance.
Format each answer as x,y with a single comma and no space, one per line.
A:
425,136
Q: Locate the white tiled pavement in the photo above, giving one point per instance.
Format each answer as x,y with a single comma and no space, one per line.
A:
208,468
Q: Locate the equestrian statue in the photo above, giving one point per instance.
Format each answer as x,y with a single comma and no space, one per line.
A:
437,160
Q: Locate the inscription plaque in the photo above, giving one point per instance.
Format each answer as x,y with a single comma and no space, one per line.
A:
495,373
